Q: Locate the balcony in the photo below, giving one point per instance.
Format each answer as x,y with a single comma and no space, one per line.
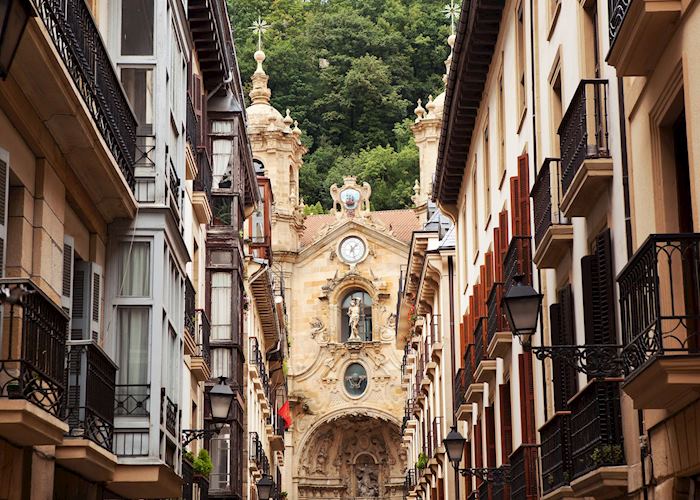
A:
410,482
586,165
90,412
475,390
193,130
208,24
202,203
660,317
80,100
32,372
435,337
597,451
639,32
523,473
485,368
261,379
435,447
501,489
200,362
461,408
498,334
554,235
169,416
556,455
259,463
518,261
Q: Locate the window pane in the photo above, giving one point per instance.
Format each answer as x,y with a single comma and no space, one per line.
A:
133,348
135,270
221,306
138,84
221,156
137,27
221,459
222,127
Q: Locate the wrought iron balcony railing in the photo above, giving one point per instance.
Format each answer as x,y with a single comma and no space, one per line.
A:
410,480
660,300
33,350
257,359
546,198
436,435
190,306
193,129
169,413
204,179
596,428
257,454
501,489
616,16
555,438
479,347
77,40
523,472
496,321
90,402
132,400
583,131
202,332
518,261
407,350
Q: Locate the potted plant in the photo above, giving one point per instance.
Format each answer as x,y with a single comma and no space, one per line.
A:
202,464
422,462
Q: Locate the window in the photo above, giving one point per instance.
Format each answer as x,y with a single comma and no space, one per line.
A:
137,27
487,174
220,476
257,233
356,315
133,327
221,306
556,111
501,128
222,149
520,60
138,85
135,269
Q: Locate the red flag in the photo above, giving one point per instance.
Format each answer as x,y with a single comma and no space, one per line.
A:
286,414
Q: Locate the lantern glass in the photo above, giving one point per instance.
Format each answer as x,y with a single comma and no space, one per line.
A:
522,307
220,399
454,445
265,487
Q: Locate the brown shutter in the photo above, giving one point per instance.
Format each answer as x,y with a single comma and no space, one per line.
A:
490,416
505,239
524,195
597,284
478,445
506,423
561,326
488,283
515,216
527,398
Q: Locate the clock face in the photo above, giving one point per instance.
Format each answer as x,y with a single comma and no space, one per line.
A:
352,249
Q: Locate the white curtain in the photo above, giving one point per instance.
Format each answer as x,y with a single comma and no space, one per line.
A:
133,348
221,306
220,362
221,155
135,269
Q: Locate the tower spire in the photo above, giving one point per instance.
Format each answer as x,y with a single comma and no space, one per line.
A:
260,93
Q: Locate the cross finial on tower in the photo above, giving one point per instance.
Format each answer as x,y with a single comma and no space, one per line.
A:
452,13
259,27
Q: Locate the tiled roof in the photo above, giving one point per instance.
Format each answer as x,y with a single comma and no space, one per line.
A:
402,223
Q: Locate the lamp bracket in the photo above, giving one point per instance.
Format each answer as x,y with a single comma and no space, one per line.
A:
500,475
189,435
595,360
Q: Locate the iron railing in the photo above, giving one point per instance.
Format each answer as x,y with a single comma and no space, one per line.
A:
617,11
33,351
501,489
91,380
660,300
469,364
169,414
407,350
546,199
555,438
190,306
202,331
436,435
479,347
258,455
77,40
204,179
523,472
596,427
132,400
257,359
193,131
460,388
518,261
483,490
410,480
496,320
583,131
407,413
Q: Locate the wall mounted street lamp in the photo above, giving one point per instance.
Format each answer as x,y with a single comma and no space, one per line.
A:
523,305
220,399
265,486
14,15
454,446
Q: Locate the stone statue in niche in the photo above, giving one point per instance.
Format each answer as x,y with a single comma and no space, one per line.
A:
354,315
367,478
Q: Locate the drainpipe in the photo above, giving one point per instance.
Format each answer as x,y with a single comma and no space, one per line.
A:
534,161
644,438
451,279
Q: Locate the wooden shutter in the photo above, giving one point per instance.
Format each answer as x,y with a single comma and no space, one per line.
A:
527,398
4,196
515,216
478,444
67,275
488,258
524,195
561,325
490,416
597,281
506,423
87,301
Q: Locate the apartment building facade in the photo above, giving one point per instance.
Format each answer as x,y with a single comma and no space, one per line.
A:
127,177
552,174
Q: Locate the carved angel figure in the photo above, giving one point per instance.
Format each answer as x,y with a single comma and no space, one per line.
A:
354,315
366,191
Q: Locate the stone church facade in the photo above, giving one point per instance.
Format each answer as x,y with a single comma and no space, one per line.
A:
344,372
